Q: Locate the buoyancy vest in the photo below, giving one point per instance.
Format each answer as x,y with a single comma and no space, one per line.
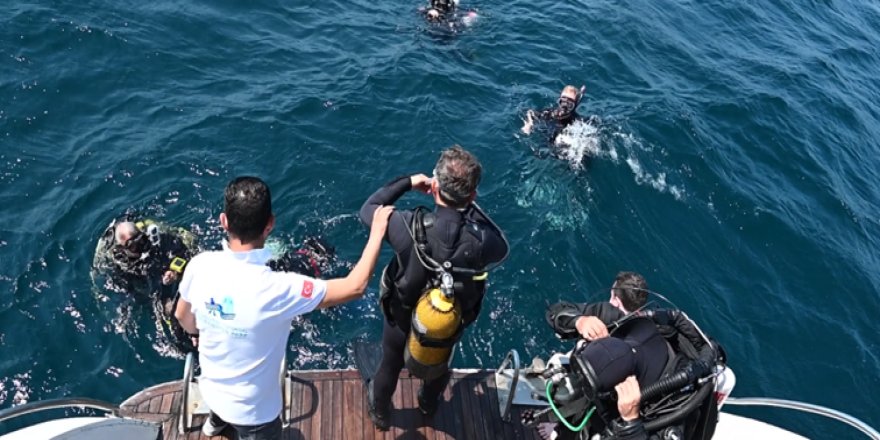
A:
451,238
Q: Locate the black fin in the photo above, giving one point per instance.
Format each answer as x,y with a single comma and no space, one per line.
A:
367,357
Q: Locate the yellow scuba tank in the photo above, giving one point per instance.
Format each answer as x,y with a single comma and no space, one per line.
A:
436,326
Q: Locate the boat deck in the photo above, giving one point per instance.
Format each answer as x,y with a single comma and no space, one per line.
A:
332,405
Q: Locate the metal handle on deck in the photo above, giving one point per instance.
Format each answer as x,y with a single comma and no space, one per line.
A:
185,420
286,393
511,358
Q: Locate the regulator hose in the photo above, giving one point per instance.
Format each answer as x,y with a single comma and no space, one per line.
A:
667,385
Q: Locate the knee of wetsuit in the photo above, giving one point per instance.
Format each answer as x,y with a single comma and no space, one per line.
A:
606,362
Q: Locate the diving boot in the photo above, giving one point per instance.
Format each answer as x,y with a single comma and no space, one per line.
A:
426,406
380,418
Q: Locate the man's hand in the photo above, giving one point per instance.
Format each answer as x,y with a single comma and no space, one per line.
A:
420,183
340,290
380,220
528,122
169,277
628,398
591,328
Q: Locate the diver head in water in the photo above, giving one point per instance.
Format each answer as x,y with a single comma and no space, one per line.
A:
131,248
439,9
567,103
560,116
139,249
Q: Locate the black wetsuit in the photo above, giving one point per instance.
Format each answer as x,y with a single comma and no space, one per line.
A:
554,124
404,280
142,272
650,348
662,341
649,358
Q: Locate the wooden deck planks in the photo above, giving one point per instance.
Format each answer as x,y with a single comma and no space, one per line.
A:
332,405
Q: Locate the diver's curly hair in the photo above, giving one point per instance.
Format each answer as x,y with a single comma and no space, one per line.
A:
458,173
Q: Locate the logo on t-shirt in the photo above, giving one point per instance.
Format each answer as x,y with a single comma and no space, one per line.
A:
225,310
308,288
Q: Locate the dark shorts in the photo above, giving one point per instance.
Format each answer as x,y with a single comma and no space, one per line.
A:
266,431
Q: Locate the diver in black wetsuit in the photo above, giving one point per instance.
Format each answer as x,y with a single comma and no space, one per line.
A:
456,233
559,117
444,12
146,256
312,259
624,342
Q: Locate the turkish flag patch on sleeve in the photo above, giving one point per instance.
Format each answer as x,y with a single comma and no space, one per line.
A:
308,288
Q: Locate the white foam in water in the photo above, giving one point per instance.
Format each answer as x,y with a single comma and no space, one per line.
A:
577,142
643,177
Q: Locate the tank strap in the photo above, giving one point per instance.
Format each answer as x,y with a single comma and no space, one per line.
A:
427,341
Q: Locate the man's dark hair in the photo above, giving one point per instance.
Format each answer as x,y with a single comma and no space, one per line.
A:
632,289
458,173
248,207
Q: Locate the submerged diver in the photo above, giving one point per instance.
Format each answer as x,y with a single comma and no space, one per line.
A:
314,258
626,342
442,257
444,12
561,116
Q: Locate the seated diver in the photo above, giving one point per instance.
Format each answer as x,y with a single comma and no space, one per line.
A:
559,117
623,341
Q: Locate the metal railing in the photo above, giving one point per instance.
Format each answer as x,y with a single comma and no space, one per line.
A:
184,417
62,403
808,408
511,358
184,421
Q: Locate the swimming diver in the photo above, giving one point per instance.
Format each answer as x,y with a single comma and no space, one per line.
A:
559,117
443,12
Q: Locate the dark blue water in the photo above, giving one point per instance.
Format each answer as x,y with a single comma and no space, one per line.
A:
736,166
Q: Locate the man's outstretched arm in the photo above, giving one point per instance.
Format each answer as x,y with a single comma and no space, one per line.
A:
340,290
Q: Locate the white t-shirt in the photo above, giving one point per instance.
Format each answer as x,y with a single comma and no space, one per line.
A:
243,312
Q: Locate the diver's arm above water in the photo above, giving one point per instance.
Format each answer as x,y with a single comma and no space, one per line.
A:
352,286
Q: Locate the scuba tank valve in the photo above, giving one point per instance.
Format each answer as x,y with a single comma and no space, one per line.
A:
153,234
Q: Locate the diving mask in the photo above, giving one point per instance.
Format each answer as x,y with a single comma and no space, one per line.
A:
566,107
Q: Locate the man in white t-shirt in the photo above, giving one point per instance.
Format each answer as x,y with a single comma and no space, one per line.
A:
241,310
